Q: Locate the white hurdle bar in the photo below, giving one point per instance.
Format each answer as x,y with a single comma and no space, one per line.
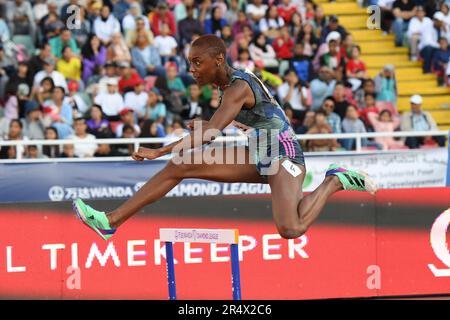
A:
220,236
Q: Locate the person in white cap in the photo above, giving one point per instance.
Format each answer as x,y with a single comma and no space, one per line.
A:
112,101
419,120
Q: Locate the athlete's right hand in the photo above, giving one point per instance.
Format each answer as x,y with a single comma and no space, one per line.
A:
146,153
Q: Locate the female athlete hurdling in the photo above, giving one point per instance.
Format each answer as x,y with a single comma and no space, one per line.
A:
276,158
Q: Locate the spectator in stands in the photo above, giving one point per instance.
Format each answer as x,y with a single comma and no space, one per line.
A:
162,16
320,21
152,129
98,125
271,23
156,109
212,105
308,39
105,25
226,35
403,11
386,85
59,114
351,124
141,28
36,63
176,131
286,9
233,10
133,17
68,151
385,122
83,28
33,123
19,15
238,26
49,71
214,24
127,118
193,108
146,58
15,132
110,102
44,92
166,44
419,120
94,55
296,26
117,49
83,150
244,61
51,151
120,8
332,117
333,25
334,61
189,26
59,43
368,87
137,99
76,99
52,26
441,58
7,69
283,46
301,64
261,50
181,8
321,126
322,87
111,71
174,82
342,100
32,152
356,69
346,47
69,65
256,11
308,122
21,78
296,93
129,78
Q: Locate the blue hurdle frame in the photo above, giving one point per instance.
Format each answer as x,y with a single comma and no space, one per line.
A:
235,273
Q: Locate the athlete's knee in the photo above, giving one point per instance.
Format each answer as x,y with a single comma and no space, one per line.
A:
181,169
292,231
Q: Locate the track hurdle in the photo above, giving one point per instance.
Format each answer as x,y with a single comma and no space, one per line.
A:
219,236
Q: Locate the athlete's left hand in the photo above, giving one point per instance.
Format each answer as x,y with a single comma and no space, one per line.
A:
146,153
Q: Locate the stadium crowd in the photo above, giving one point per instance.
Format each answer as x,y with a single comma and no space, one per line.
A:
90,69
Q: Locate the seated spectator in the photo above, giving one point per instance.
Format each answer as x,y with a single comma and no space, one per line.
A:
68,151
286,9
129,78
110,102
15,132
333,25
52,26
36,63
76,99
7,69
152,129
94,54
176,131
342,99
418,26
137,99
356,69
226,35
238,26
105,25
70,65
166,44
325,48
346,47
244,61
98,125
351,124
270,25
214,24
83,28
33,123
212,105
333,118
403,11
256,11
43,93
296,93
62,41
322,87
51,151
111,71
308,122
419,120
33,152
127,118
19,15
83,150
105,150
156,109
49,71
134,17
146,58
283,46
180,11
384,122
160,16
441,58
368,86
321,126
141,28
174,82
193,108
308,39
189,26
22,78
296,27
386,85
59,114
261,50
117,50
233,10
334,61
441,21
301,64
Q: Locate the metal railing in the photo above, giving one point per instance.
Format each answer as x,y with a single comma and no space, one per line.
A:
241,138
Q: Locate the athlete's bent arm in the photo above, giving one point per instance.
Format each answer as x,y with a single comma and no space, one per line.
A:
232,101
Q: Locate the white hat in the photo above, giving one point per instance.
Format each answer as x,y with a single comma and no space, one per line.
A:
333,35
112,81
439,16
416,99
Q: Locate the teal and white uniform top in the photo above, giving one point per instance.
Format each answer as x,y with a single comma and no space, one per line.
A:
273,137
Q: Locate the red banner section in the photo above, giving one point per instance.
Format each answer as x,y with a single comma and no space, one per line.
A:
46,253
